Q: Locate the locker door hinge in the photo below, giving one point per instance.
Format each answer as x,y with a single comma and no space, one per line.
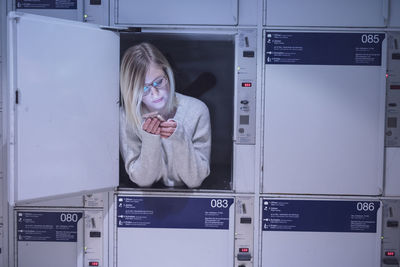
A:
16,96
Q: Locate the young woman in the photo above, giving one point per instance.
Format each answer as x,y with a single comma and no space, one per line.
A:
173,143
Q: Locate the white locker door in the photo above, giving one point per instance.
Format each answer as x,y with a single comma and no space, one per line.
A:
63,107
181,12
48,238
324,113
174,231
341,13
320,232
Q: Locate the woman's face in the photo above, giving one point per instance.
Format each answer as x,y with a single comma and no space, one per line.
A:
156,89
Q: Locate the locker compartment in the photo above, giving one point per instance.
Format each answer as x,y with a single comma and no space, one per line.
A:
203,67
180,230
58,237
320,232
315,13
391,233
324,112
182,12
203,64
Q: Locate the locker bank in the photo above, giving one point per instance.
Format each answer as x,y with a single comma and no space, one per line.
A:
304,106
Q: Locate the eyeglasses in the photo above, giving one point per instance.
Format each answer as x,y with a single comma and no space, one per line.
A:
158,83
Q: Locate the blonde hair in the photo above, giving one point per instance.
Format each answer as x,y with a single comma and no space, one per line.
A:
134,66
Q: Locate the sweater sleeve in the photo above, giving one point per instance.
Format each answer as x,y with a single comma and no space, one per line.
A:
142,154
192,152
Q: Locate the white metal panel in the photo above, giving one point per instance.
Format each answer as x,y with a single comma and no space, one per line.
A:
173,247
319,249
50,253
60,9
248,14
47,254
394,14
192,12
324,129
97,13
392,173
244,162
390,232
316,249
392,91
75,201
342,13
71,14
66,121
93,238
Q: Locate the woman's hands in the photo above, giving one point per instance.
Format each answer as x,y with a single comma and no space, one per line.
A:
152,125
156,126
167,128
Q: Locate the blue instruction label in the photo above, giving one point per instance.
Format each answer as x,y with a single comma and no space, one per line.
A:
46,4
173,212
320,216
309,48
48,226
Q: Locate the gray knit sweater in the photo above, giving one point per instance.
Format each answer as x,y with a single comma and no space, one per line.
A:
182,158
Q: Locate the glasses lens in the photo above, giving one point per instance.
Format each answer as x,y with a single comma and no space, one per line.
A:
146,90
159,83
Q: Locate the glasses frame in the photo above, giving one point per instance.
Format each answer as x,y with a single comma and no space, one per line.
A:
147,86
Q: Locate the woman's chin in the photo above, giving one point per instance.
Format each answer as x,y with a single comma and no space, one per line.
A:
159,107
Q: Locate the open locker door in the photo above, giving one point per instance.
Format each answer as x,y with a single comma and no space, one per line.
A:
63,108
